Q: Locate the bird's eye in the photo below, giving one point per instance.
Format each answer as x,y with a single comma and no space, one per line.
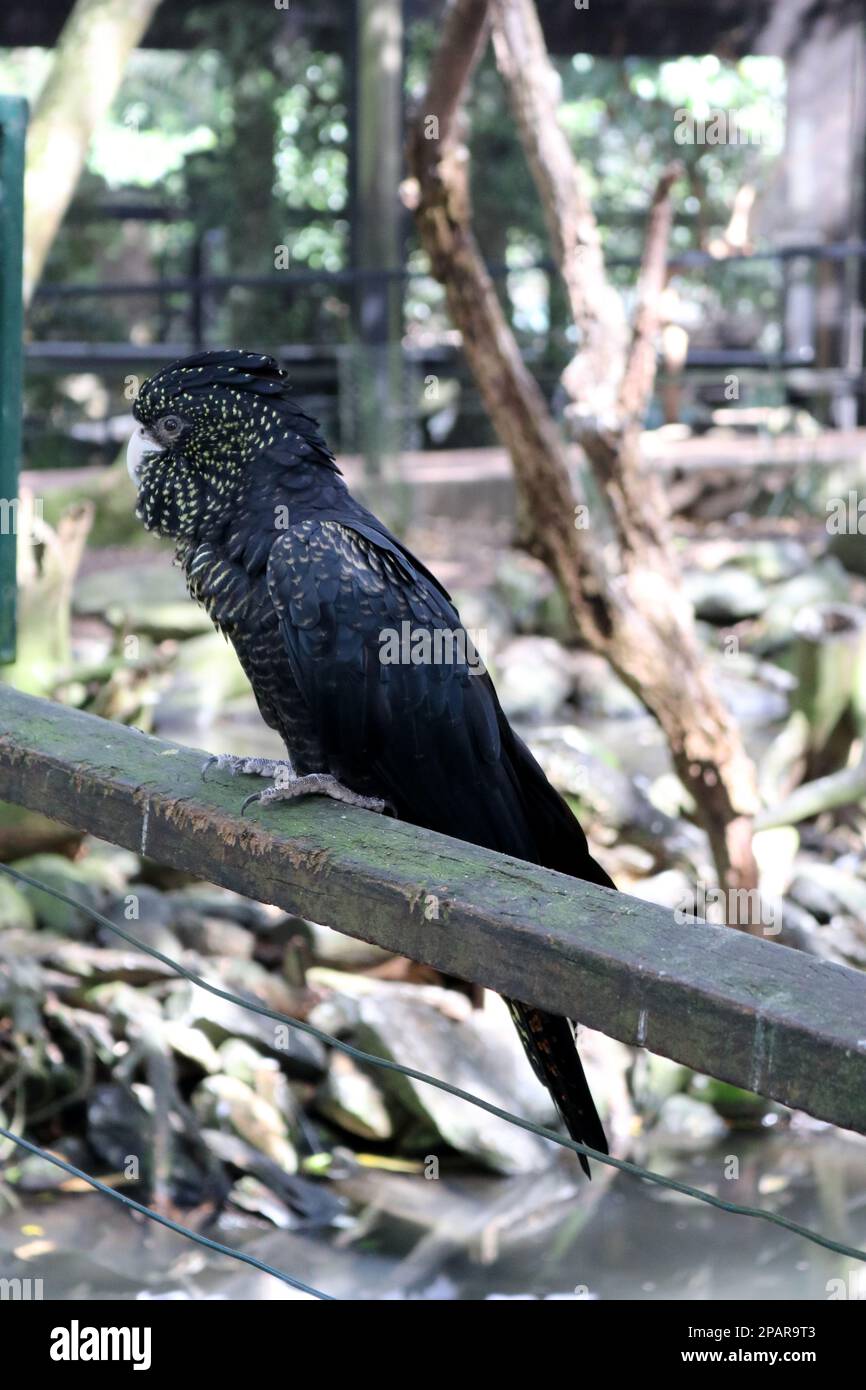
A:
171,426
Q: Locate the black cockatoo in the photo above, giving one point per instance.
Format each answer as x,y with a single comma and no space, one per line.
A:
308,585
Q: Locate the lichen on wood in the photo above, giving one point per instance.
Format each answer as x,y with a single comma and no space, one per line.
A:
729,1005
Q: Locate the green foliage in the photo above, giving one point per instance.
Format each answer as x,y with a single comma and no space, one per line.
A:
621,120
245,138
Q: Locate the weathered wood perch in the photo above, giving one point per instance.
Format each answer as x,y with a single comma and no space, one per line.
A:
746,1010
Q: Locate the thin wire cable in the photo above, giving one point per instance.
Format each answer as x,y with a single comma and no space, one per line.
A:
386,1064
165,1220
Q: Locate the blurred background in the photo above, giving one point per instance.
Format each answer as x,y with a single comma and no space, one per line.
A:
232,173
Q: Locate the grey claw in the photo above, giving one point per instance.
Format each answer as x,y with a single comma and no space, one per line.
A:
256,796
210,762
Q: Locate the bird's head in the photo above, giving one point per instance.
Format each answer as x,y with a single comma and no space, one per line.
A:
203,425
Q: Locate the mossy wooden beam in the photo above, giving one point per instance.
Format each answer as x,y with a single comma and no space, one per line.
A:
746,1010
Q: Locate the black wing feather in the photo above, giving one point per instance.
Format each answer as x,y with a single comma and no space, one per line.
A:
431,739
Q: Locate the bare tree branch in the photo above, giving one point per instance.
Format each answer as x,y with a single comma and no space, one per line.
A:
464,39
634,613
533,88
640,370
87,68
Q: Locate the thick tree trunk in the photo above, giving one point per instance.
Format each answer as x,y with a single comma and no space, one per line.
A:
626,598
89,61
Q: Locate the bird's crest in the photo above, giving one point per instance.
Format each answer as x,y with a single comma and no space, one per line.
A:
249,371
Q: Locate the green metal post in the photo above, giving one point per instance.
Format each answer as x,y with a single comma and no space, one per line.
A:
13,126
377,226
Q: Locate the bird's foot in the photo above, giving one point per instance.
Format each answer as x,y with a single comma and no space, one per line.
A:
314,784
251,767
287,783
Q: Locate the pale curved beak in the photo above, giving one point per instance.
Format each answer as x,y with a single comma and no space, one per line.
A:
137,450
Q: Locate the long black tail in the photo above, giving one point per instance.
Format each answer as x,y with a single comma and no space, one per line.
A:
548,1041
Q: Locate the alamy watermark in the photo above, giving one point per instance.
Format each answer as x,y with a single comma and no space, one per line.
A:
846,516
716,128
9,513
736,907
20,1290
441,646
77,1343
853,1288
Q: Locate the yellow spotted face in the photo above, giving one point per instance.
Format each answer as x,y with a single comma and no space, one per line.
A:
203,422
